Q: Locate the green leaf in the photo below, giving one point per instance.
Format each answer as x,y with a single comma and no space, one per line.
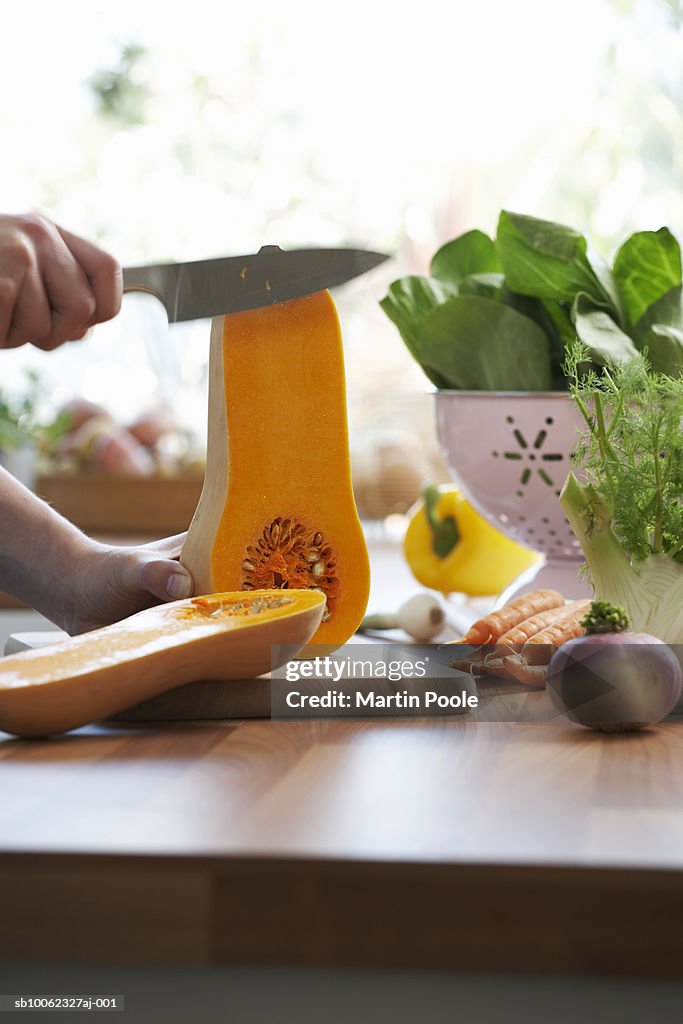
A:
547,260
658,331
610,288
559,313
664,349
554,320
544,237
647,266
471,253
607,344
562,335
666,310
407,303
478,344
487,284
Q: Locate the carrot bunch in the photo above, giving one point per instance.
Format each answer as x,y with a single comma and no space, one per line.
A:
517,641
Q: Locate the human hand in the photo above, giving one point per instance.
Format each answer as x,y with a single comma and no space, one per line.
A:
53,284
114,582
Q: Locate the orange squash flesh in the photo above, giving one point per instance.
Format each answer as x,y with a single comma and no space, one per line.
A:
224,636
277,509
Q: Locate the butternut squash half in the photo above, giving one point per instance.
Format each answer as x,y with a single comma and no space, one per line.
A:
225,636
277,509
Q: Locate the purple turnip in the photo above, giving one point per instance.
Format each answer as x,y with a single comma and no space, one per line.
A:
611,679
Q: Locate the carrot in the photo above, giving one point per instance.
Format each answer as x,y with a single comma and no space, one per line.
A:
492,626
539,648
466,664
495,667
469,661
532,675
528,628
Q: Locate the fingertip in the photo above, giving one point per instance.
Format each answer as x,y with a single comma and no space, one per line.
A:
163,578
86,333
106,278
179,585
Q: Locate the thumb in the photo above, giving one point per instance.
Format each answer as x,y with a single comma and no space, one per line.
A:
164,578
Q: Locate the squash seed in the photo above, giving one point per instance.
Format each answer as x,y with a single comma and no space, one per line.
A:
288,554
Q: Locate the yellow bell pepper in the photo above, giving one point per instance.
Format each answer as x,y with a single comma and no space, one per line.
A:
451,548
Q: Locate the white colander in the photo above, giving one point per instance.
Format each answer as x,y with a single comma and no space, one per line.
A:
509,454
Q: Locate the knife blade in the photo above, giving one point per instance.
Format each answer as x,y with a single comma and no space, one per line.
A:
205,288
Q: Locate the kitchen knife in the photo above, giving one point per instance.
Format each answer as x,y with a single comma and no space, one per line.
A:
206,288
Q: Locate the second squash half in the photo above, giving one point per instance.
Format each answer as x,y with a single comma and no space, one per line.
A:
277,508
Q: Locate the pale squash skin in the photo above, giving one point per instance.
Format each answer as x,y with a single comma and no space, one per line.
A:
94,675
278,451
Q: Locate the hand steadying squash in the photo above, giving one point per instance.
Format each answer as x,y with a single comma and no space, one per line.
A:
72,580
116,582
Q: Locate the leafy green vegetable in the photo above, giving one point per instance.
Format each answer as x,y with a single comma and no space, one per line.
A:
553,319
546,260
476,344
407,303
542,271
605,343
647,266
559,314
471,253
668,309
627,511
658,332
608,282
487,285
664,349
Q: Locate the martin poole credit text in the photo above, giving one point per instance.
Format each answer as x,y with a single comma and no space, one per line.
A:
373,699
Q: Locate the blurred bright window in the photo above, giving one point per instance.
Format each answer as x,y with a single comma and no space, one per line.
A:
181,131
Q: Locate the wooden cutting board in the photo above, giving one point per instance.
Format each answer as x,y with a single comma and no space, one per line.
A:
201,700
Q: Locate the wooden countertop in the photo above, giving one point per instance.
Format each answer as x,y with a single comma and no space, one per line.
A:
436,842
441,843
